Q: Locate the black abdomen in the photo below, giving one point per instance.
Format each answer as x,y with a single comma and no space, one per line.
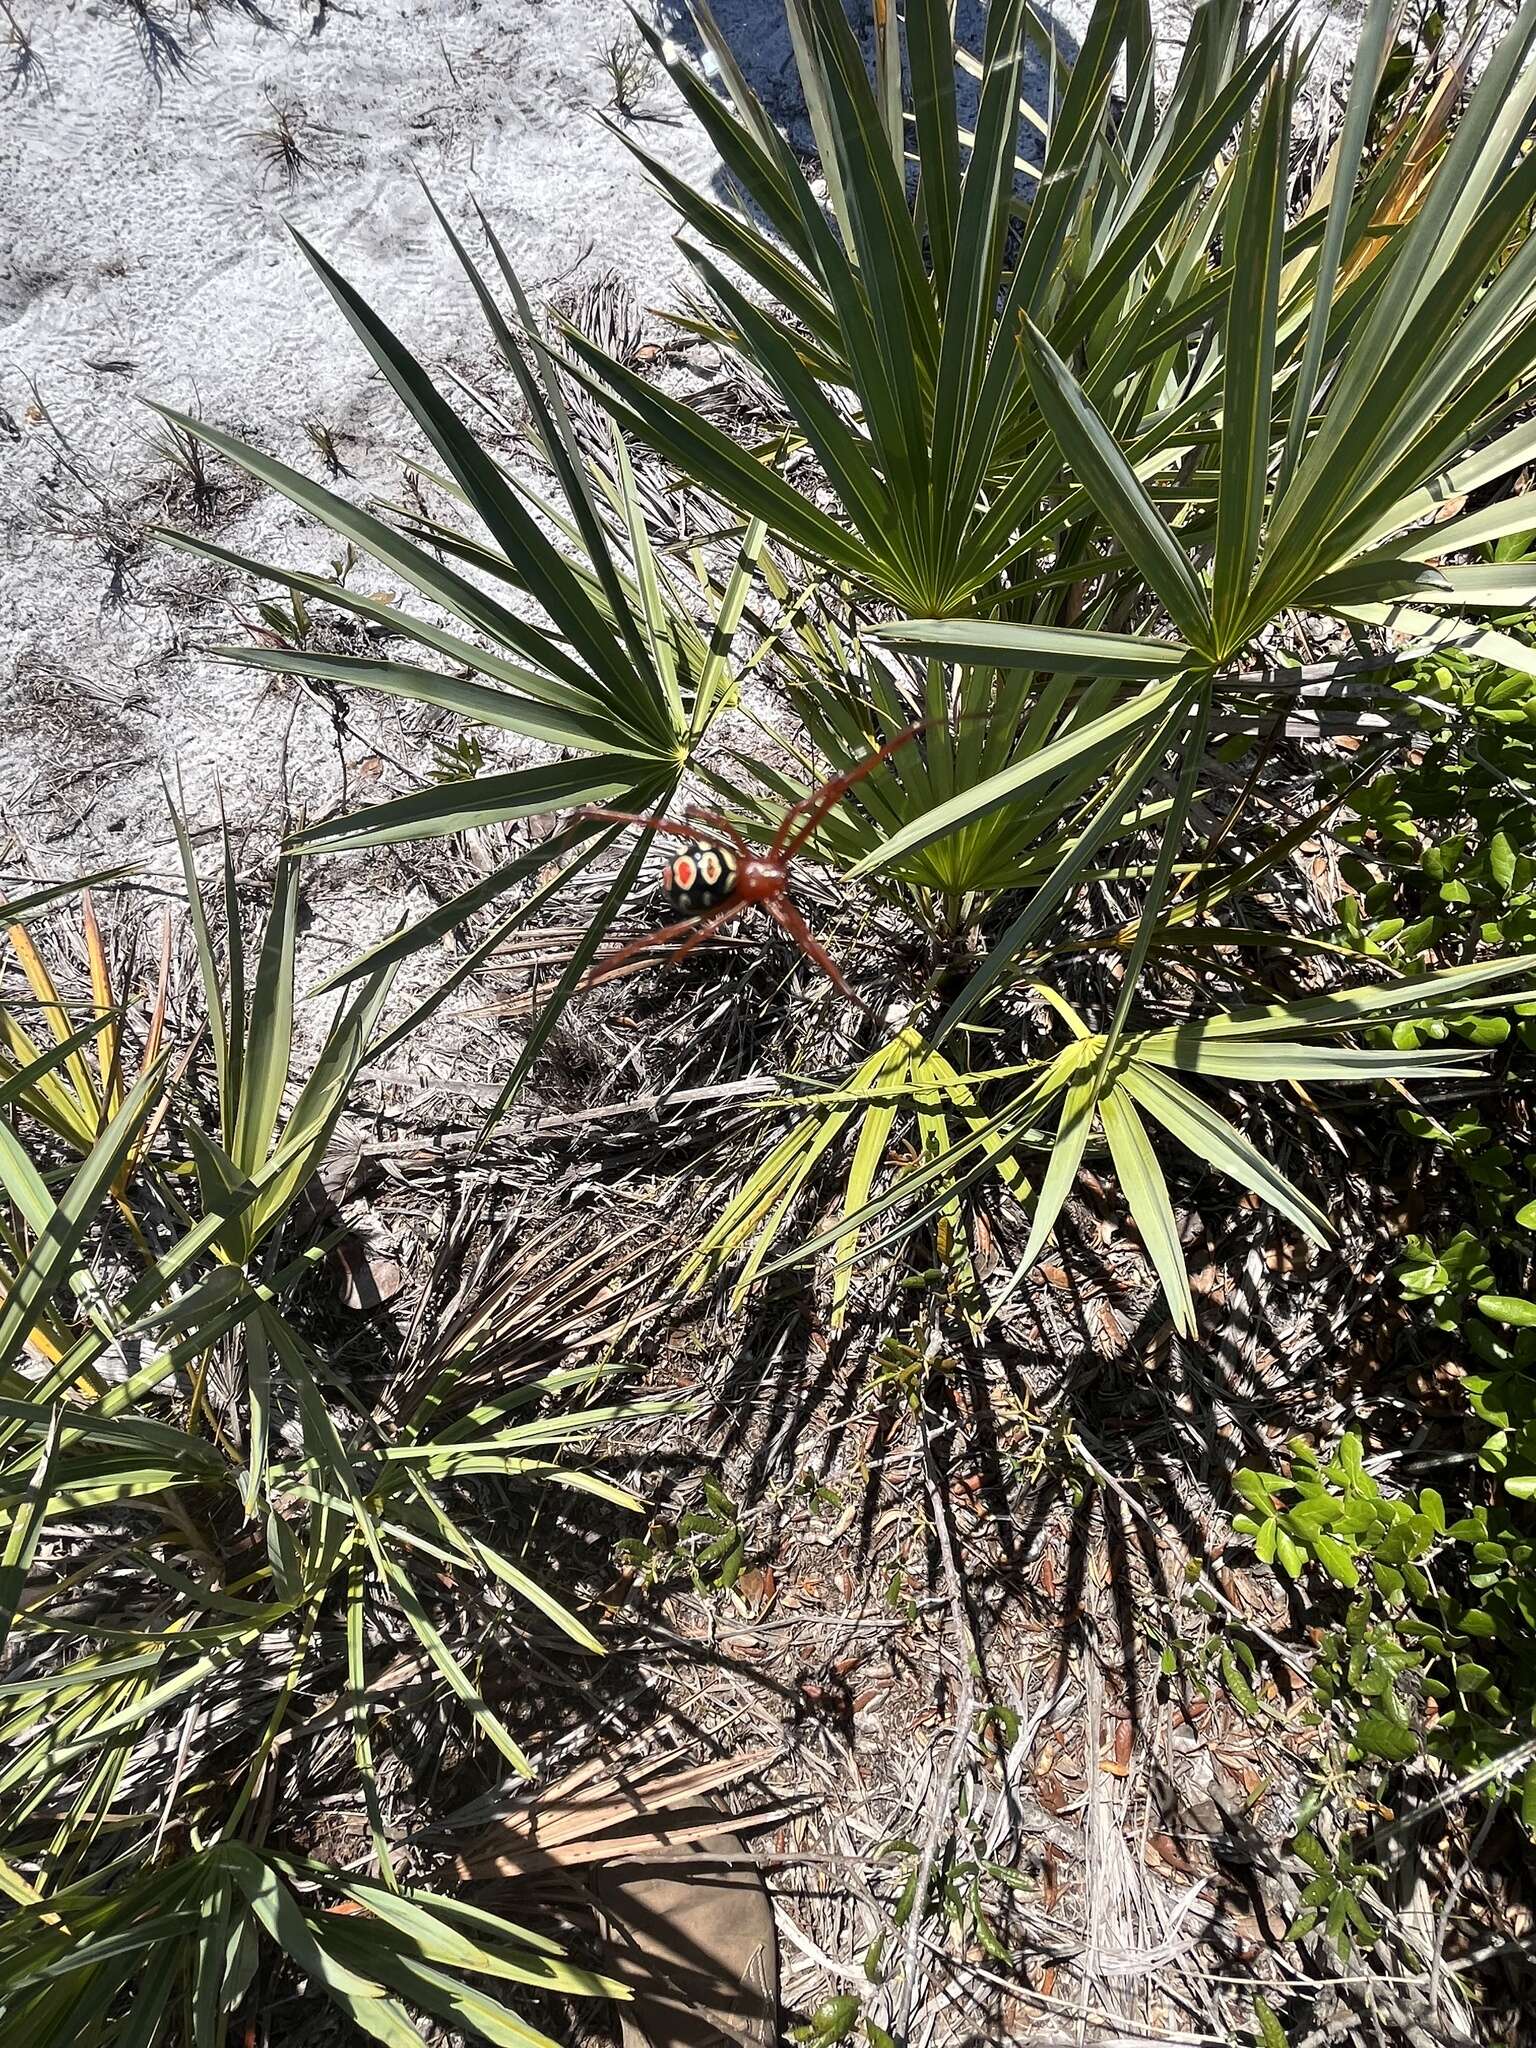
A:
698,879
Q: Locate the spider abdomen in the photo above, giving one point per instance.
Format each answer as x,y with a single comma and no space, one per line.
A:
699,878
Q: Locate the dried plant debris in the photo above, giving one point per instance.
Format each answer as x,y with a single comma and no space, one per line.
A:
194,486
631,73
606,311
288,145
162,46
26,70
238,10
323,439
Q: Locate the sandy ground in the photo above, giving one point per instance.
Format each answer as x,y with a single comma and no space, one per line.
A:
143,254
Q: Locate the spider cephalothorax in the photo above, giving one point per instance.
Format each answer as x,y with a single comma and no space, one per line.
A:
717,875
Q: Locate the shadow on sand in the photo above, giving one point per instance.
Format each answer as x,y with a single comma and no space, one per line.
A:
758,33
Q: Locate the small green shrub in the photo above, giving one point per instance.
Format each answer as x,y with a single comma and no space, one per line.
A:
1432,1650
1432,1653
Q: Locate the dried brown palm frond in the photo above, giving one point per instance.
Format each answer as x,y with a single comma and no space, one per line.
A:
685,1917
603,308
506,1305
605,1811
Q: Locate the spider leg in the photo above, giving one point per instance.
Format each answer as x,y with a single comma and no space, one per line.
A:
601,969
712,923
670,826
722,824
784,911
787,841
729,909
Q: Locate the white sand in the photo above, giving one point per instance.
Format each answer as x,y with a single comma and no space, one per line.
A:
143,253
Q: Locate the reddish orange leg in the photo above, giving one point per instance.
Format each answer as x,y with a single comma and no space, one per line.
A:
601,969
780,908
723,825
711,925
787,842
670,826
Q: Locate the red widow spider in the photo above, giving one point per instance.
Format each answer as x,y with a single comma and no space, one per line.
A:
717,875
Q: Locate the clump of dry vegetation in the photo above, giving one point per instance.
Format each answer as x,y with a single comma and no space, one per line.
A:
28,72
288,145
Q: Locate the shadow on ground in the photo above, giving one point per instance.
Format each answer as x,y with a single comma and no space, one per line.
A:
758,33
